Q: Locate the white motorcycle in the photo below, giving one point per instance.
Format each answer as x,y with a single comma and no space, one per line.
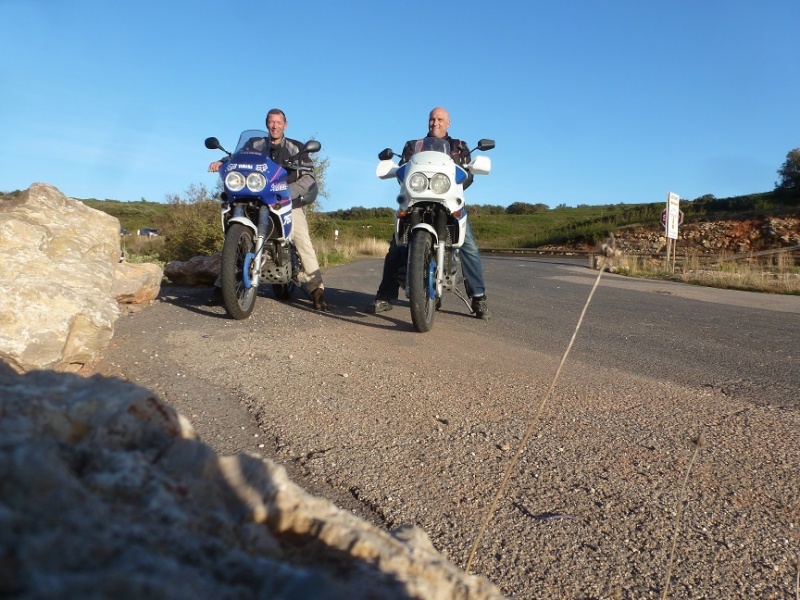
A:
431,220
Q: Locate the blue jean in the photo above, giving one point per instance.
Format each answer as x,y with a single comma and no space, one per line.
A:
397,256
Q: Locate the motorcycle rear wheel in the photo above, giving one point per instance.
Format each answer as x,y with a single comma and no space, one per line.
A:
239,300
421,276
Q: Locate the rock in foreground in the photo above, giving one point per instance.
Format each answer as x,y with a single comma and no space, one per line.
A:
105,491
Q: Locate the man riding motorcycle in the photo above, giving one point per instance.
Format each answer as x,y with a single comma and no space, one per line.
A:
389,289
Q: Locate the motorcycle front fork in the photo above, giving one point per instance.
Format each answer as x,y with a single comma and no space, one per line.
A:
439,275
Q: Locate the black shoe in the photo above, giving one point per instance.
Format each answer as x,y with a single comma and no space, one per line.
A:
215,299
318,298
379,305
480,307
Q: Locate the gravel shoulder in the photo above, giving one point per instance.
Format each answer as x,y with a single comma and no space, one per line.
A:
349,403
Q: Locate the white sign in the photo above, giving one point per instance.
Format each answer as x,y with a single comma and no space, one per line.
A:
673,215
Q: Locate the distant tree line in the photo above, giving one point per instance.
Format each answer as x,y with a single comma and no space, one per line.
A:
359,213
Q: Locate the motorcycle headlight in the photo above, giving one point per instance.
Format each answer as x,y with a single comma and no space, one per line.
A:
256,182
418,183
440,183
234,181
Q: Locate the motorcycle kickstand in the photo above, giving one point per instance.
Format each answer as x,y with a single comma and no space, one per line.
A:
463,297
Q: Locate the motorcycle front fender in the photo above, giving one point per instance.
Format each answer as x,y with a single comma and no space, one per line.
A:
428,228
244,221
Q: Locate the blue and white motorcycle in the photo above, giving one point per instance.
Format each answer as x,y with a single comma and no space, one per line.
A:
431,220
257,221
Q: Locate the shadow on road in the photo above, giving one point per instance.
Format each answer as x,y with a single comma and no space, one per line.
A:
344,305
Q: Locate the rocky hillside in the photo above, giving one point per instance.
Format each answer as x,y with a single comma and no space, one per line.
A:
714,237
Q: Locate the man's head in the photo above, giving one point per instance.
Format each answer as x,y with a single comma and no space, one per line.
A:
438,122
276,123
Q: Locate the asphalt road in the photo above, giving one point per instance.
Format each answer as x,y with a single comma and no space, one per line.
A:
744,343
402,427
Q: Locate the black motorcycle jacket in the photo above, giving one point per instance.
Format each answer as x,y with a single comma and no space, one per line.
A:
459,152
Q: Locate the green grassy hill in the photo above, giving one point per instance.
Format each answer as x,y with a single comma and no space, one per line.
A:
132,215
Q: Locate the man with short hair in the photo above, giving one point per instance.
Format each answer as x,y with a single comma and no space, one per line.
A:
389,289
303,188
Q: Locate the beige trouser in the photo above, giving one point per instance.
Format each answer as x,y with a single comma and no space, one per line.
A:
311,276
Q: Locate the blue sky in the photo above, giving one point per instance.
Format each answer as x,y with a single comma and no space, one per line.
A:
590,102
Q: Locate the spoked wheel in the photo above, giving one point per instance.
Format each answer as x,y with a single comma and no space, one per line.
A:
238,293
422,280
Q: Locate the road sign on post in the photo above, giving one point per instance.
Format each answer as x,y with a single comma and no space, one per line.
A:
673,215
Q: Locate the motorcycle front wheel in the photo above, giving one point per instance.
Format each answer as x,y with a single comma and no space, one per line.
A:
421,280
238,296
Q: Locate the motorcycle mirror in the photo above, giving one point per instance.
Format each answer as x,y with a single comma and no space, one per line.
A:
385,154
485,144
313,146
212,143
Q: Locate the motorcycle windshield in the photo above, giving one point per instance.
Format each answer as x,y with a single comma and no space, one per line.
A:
254,140
252,156
432,144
